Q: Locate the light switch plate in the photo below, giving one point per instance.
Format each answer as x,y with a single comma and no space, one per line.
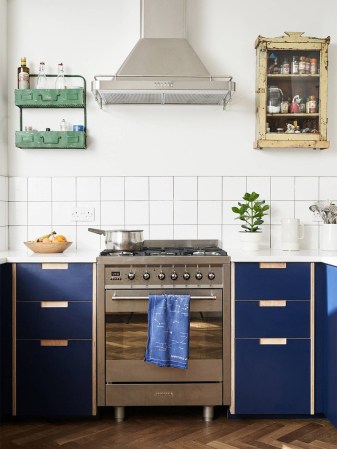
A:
83,214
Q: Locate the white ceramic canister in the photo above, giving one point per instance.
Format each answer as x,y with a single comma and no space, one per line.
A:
292,233
328,237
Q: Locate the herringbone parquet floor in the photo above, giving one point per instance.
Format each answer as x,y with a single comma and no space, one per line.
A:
168,428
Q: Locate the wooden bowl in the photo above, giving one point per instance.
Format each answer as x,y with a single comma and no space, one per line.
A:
48,248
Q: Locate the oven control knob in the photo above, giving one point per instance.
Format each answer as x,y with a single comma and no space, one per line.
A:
161,276
174,276
211,275
131,276
198,275
186,276
146,276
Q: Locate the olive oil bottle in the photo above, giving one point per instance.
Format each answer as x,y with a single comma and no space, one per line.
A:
23,75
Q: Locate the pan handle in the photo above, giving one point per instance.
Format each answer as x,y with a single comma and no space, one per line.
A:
96,231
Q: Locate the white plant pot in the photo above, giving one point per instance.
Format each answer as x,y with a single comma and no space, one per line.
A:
250,241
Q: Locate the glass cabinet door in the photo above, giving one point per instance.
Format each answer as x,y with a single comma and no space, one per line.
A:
291,92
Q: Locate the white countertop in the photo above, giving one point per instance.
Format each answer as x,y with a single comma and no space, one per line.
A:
236,255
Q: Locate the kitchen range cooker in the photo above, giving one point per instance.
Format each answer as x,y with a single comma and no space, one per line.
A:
125,279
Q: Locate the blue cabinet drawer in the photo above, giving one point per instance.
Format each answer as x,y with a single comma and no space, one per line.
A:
255,319
34,283
254,283
272,378
54,380
36,320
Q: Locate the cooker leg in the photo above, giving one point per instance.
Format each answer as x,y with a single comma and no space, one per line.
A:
208,413
119,414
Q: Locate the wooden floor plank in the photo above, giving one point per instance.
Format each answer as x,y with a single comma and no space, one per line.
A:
160,428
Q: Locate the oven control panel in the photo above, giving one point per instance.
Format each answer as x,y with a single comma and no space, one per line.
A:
164,275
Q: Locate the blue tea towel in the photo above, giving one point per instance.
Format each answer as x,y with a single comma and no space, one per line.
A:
168,330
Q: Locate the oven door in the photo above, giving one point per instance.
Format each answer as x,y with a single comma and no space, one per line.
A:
126,337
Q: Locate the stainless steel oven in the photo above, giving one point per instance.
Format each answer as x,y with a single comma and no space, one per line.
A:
124,284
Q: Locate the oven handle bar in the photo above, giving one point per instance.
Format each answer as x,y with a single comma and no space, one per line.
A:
212,297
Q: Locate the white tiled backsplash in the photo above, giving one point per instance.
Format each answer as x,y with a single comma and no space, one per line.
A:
172,207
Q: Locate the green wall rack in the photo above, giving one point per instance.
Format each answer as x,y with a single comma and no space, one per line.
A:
51,98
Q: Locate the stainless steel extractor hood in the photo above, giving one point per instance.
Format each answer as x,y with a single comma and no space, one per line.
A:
163,68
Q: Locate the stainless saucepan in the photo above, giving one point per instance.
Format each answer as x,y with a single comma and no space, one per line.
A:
121,240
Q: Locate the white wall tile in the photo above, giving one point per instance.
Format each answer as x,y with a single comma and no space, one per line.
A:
185,232
136,212
112,213
233,187
17,213
87,240
112,188
311,237
280,210
3,213
39,213
39,189
228,216
209,188
3,238
161,188
306,188
64,189
276,236
210,232
88,188
164,232
16,236
161,212
185,188
185,212
209,212
282,188
260,185
18,189
137,188
61,213
230,237
304,214
328,188
3,188
96,205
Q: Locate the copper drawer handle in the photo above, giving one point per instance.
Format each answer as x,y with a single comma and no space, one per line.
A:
273,264
273,341
53,342
273,303
53,304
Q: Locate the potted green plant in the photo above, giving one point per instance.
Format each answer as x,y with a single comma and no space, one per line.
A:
251,212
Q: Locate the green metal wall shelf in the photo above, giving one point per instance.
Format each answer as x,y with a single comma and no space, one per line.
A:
51,98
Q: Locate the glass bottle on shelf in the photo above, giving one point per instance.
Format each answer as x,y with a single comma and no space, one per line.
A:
23,75
294,65
42,82
60,81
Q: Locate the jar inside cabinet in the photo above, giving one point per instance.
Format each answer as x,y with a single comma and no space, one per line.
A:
291,92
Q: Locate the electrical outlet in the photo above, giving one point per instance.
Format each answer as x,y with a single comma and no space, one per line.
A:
83,214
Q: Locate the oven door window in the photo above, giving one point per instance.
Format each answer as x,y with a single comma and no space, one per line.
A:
126,335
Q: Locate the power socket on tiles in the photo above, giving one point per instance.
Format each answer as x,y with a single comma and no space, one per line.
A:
83,214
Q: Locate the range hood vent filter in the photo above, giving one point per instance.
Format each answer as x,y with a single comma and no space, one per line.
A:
163,70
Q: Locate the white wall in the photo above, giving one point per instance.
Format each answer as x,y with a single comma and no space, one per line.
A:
3,88
94,38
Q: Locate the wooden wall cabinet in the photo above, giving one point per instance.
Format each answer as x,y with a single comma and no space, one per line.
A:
294,69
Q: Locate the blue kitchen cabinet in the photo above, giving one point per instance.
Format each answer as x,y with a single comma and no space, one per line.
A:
54,366
326,341
272,338
5,341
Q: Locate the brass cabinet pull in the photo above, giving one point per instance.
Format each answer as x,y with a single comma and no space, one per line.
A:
53,304
54,266
53,342
273,303
273,341
273,264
